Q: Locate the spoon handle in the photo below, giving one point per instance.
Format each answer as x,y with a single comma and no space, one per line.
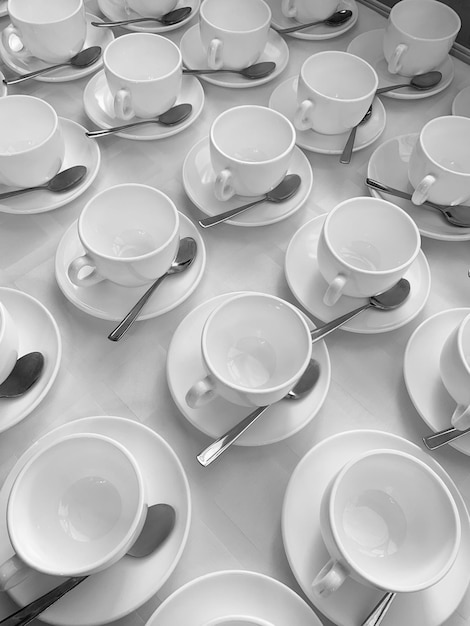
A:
115,129
390,88
218,446
378,613
443,436
374,184
207,71
329,327
292,29
17,192
20,79
348,148
222,217
124,22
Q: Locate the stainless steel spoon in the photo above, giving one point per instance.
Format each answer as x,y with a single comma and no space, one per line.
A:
185,256
458,215
253,72
173,116
384,301
84,58
349,145
23,376
158,525
64,180
304,385
444,436
336,19
421,82
170,18
378,612
285,190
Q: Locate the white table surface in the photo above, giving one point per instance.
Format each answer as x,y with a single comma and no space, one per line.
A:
236,501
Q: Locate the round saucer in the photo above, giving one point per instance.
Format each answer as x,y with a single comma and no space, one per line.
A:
309,287
198,180
315,32
115,11
388,165
126,585
109,301
184,367
230,592
461,103
284,100
79,150
276,50
94,37
306,552
368,46
37,331
422,376
98,106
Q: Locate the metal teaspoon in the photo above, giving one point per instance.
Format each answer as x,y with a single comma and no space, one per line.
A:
170,18
422,82
336,19
285,190
66,179
349,145
84,58
444,436
303,386
23,376
253,72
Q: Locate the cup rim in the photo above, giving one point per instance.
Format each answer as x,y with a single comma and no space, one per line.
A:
398,7
457,119
460,330
22,20
267,22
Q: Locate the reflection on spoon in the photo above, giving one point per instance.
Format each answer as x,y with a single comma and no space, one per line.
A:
421,82
170,18
349,145
378,613
444,436
64,180
23,376
253,72
336,19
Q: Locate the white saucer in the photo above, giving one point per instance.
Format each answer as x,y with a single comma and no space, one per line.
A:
184,367
198,180
126,585
79,150
315,32
109,301
95,37
276,50
309,287
461,103
230,592
3,8
388,164
422,376
98,106
115,11
368,46
284,100
38,331
307,553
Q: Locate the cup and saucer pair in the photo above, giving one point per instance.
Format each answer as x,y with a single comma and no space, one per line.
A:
38,332
94,37
192,51
109,301
284,100
184,367
198,183
123,587
308,286
369,46
115,11
307,553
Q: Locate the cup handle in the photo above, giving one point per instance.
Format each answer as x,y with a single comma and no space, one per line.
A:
201,393
329,578
223,185
10,35
302,118
214,54
12,572
122,105
288,8
461,417
77,265
394,65
420,194
335,289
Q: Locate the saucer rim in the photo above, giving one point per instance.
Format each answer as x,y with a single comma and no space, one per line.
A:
465,91
149,29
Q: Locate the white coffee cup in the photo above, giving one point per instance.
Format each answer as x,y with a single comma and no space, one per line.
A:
254,348
388,521
308,10
151,8
75,508
419,35
130,233
53,31
238,620
250,149
144,74
9,343
32,147
335,90
439,164
234,33
455,371
365,246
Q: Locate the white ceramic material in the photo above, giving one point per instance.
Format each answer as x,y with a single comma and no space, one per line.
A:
149,8
461,103
115,11
238,620
418,36
184,363
254,347
9,342
3,8
309,287
130,233
3,86
304,11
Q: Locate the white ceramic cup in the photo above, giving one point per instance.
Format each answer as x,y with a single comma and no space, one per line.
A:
144,74
130,234
439,164
254,348
53,31
151,8
334,92
238,620
250,149
365,246
234,33
388,521
308,10
32,147
75,508
419,35
9,343
455,371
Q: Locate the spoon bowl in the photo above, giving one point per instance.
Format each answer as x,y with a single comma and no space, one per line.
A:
63,181
338,18
421,82
26,372
252,72
169,19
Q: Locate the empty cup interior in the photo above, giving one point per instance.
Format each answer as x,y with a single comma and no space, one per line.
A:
425,19
26,122
446,141
236,15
